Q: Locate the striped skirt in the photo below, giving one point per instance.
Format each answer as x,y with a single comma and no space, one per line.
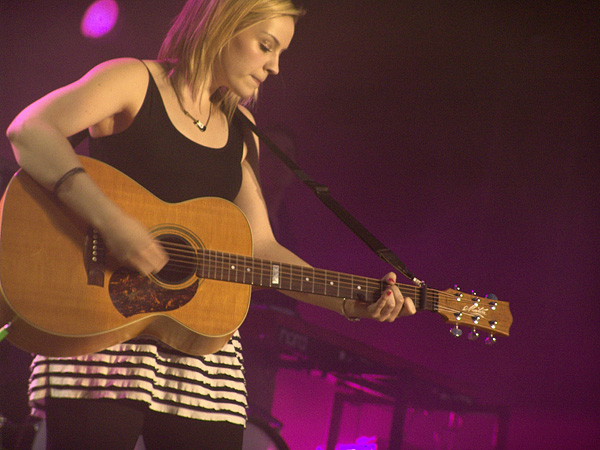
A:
210,388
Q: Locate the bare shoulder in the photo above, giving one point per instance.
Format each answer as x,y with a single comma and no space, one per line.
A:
118,66
124,72
112,86
116,88
111,89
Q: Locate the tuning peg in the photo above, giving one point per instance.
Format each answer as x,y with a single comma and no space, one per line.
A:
490,340
473,335
455,331
458,294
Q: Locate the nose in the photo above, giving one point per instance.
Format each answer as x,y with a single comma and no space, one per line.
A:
272,65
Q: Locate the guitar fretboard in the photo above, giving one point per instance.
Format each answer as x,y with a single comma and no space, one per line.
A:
276,275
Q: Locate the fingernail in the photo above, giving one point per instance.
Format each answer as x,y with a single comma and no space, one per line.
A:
391,280
389,292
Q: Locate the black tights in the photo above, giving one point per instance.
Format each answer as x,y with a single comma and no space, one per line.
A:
102,424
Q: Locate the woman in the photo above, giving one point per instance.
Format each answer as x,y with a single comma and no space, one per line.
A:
170,125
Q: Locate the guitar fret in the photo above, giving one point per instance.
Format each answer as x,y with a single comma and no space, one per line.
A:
259,271
205,265
225,271
226,267
233,268
242,269
291,276
275,276
324,277
239,271
248,271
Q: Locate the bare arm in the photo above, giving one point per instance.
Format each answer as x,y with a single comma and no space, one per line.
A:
251,201
101,100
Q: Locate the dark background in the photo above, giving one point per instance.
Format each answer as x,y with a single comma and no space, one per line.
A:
463,134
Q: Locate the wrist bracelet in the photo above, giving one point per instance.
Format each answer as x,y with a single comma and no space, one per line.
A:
351,319
65,177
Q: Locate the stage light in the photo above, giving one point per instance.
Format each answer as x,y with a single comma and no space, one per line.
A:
362,443
100,18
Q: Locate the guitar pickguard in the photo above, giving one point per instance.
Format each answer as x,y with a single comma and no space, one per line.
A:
133,294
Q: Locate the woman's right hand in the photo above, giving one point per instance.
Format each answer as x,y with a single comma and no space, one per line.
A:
130,242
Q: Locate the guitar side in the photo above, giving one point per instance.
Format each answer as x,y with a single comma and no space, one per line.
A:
44,282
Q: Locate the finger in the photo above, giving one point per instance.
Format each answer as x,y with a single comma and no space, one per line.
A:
157,256
399,303
141,265
376,309
409,307
149,260
395,302
384,307
390,278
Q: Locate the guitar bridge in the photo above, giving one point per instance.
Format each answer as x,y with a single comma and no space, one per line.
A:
94,258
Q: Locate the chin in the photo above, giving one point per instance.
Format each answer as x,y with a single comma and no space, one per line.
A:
249,93
245,91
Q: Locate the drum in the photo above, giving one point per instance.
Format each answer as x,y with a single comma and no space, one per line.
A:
259,435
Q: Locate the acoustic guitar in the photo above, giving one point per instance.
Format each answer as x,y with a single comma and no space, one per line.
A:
64,295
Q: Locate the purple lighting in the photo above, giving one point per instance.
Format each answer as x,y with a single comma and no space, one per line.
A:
362,443
100,18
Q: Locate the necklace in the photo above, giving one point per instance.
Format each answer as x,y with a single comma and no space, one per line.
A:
201,126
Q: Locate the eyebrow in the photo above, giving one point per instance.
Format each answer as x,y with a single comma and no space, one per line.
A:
274,38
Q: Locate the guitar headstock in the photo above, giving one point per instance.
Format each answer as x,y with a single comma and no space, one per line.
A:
474,312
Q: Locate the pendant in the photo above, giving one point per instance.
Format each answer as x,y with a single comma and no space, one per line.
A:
200,125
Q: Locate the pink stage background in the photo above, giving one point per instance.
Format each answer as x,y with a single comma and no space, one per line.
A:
464,135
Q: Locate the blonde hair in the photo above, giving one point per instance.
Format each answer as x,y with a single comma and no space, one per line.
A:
203,29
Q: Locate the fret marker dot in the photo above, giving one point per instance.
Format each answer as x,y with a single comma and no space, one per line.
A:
232,267
359,287
307,279
331,283
248,269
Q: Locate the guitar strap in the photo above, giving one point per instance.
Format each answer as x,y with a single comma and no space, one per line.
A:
322,192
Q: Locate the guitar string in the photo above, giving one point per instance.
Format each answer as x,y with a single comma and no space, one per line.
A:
262,270
224,260
430,304
221,264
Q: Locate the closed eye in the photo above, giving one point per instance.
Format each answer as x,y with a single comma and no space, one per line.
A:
265,48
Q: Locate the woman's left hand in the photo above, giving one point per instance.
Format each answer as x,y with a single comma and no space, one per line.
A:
388,308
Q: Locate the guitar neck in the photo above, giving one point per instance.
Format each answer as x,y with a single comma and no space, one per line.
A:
289,277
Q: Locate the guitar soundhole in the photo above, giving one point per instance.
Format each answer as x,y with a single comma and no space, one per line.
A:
182,260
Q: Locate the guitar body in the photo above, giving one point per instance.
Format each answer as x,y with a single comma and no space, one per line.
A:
65,296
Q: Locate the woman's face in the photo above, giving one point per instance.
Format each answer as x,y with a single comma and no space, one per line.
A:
253,55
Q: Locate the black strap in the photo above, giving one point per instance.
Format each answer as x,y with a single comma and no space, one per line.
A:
322,192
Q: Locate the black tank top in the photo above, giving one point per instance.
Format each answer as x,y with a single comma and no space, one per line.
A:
156,155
